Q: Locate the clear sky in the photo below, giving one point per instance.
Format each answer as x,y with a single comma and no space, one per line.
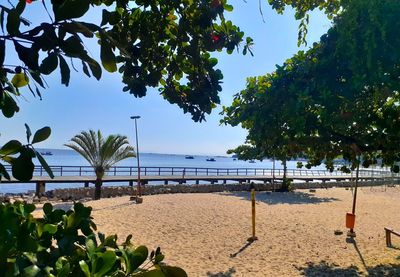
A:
163,128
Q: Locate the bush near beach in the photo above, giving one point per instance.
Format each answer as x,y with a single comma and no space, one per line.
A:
65,243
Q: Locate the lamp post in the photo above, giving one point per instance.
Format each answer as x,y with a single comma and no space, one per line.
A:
137,156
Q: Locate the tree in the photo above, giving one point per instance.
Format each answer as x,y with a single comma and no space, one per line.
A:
162,44
338,99
101,153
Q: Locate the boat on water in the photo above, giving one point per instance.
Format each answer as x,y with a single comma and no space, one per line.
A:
47,153
189,157
210,160
252,161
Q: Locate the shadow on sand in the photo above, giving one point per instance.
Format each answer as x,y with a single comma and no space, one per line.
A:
247,244
228,273
328,270
324,269
274,198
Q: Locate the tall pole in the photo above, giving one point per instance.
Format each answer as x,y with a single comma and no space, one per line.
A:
137,157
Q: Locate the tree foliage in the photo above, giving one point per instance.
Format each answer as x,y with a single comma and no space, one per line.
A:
164,44
101,153
338,99
64,243
151,43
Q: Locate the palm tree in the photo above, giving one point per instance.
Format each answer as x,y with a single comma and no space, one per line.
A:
101,153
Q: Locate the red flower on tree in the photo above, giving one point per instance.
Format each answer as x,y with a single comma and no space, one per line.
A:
215,38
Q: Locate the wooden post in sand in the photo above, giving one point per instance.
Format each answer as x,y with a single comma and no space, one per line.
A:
253,213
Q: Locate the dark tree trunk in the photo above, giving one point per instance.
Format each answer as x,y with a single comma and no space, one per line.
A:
97,189
284,169
285,181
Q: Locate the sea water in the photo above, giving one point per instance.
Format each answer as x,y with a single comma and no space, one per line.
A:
65,157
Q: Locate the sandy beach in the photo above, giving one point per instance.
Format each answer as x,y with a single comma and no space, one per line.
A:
206,234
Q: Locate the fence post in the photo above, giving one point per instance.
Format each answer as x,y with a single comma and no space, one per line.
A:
61,170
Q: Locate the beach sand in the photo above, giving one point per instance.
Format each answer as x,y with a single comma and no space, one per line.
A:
206,234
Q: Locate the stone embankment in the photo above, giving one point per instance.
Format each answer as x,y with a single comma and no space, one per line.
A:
86,193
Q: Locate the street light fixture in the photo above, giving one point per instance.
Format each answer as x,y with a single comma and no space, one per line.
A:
137,156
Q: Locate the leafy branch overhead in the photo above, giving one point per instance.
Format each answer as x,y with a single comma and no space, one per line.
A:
340,99
164,44
161,44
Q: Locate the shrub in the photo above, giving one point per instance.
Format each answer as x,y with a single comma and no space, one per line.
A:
66,244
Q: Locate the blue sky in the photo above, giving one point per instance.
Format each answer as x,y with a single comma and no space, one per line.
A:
163,128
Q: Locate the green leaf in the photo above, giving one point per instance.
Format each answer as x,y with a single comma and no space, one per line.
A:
28,132
9,105
65,71
47,208
90,247
20,6
107,56
49,64
2,19
29,208
22,167
108,260
85,268
37,77
10,148
2,51
31,271
158,258
228,8
138,257
85,69
13,22
41,135
44,164
70,9
73,47
3,172
50,228
30,56
94,67
20,80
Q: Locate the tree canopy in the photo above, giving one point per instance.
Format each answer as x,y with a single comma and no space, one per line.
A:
162,44
338,99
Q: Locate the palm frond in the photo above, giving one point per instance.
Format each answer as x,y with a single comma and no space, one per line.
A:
100,152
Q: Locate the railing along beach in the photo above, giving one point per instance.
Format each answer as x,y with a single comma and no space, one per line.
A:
69,170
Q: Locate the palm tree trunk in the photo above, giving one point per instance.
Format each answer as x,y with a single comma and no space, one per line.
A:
97,189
